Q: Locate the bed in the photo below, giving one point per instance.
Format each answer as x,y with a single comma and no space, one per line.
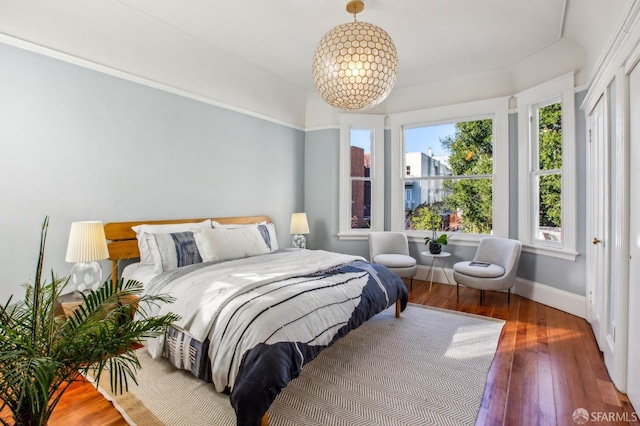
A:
252,313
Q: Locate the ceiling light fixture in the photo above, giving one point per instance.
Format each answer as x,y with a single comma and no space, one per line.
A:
355,64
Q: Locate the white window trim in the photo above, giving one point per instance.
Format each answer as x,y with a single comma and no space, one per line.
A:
496,109
375,123
560,89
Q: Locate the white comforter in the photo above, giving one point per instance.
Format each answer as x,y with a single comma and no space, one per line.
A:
220,302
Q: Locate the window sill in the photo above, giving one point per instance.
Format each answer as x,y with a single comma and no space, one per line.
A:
459,239
359,236
472,241
451,241
551,252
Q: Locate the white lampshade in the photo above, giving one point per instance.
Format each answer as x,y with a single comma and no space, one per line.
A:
87,245
299,224
87,242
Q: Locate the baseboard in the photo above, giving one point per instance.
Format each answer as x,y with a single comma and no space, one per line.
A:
438,274
541,293
563,300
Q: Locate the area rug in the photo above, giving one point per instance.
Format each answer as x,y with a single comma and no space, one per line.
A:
428,367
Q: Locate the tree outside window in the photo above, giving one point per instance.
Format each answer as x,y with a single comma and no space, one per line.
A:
455,182
548,173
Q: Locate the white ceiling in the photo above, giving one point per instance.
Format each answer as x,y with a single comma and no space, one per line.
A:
436,39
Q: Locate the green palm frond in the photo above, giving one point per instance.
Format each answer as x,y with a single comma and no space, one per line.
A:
42,351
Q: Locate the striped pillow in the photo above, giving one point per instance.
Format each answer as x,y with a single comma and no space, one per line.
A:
171,251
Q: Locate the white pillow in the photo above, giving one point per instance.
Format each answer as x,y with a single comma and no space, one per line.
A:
216,224
145,253
270,237
229,243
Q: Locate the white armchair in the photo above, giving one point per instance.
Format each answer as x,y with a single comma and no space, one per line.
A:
391,249
493,267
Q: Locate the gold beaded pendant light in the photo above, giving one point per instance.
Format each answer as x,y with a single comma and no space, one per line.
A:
355,64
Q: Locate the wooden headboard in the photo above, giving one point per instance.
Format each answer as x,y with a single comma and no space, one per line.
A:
124,245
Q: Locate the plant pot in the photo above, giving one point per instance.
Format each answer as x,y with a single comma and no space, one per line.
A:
434,248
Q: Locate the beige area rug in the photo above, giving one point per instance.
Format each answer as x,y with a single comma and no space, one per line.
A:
427,368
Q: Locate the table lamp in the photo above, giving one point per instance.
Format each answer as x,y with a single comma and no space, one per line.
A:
87,245
299,226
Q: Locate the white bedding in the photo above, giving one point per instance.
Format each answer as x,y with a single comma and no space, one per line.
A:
139,272
202,299
249,325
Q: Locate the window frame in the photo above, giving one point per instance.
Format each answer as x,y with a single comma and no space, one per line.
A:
560,90
374,123
496,109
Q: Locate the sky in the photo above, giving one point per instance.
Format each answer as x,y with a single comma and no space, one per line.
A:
422,138
416,139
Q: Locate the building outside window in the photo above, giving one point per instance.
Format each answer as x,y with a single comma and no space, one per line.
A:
360,179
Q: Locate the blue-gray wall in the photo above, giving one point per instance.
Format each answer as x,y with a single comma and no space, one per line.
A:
77,144
322,188
321,204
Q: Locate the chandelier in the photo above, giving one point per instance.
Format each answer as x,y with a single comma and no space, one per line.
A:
355,64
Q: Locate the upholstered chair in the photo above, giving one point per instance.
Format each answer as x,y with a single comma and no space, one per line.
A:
391,249
493,267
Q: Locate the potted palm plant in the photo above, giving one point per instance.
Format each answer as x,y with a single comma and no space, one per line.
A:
43,351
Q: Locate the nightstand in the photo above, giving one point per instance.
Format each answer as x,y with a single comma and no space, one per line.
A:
69,303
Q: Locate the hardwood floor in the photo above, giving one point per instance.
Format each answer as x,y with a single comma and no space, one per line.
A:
547,365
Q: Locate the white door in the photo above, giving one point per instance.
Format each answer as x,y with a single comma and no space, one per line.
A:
598,282
633,364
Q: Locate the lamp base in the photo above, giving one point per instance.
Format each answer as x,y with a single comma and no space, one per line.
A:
299,241
85,276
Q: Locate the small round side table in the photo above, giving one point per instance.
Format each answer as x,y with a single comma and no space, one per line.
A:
434,259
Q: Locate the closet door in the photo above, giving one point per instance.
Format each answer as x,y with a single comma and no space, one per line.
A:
598,279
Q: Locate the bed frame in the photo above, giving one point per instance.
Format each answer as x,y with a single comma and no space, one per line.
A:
123,245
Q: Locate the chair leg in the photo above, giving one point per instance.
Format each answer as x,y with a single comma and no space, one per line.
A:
457,292
508,296
411,283
481,296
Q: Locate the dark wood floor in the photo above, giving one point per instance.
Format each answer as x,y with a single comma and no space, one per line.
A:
547,365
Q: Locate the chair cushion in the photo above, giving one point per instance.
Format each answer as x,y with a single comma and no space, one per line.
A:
491,271
394,260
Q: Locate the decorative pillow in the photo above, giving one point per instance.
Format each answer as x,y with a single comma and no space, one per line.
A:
216,224
140,230
170,251
229,243
268,231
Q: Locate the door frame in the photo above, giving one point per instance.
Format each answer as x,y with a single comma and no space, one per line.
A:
618,239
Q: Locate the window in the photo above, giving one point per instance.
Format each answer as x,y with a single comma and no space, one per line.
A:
546,173
453,181
361,174
546,183
458,156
